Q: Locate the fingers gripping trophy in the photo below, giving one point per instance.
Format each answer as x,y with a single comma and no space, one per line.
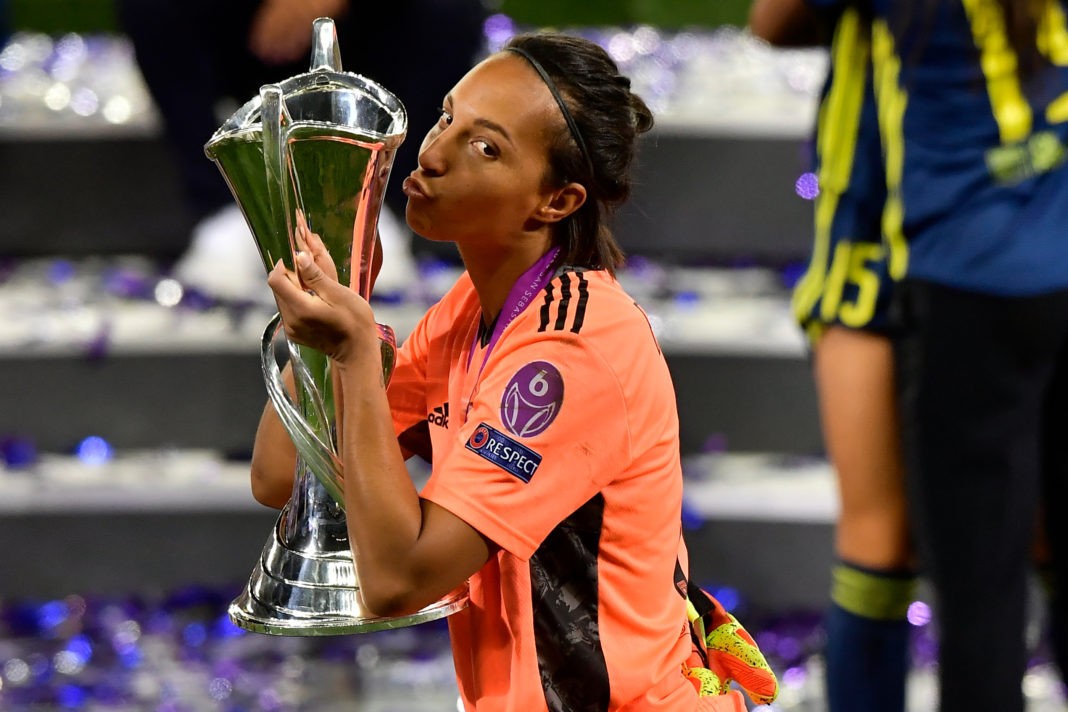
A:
318,148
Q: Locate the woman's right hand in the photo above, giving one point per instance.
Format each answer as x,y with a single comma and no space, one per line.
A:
319,312
312,243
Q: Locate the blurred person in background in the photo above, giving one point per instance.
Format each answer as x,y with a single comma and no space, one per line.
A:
202,59
972,98
841,302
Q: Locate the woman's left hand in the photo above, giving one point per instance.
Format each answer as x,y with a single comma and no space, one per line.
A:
318,311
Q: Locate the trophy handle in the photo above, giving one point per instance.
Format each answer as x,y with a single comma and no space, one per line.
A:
318,455
275,118
321,457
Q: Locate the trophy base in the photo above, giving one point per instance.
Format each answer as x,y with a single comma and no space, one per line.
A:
251,615
309,589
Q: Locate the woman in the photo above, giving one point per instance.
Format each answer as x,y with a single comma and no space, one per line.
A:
842,303
536,389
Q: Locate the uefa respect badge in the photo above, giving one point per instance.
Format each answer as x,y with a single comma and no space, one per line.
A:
511,456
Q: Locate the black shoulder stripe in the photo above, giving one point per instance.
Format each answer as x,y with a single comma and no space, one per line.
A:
545,307
580,310
565,301
566,304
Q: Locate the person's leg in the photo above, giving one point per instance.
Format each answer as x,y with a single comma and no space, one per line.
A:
5,22
1054,561
183,50
867,632
195,59
970,370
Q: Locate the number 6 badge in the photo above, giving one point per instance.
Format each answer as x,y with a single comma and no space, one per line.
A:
532,399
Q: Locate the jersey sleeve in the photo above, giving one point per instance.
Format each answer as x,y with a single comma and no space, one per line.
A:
543,431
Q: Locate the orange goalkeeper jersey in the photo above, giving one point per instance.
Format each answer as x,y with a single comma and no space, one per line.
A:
559,441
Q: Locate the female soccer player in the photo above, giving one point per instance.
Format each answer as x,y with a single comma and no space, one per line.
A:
972,99
536,389
842,303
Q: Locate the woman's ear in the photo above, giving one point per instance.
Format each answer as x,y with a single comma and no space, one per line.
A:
562,202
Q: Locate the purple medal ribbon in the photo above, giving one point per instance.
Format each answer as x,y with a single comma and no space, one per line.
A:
525,288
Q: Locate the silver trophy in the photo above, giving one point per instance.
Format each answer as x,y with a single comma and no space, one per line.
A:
321,143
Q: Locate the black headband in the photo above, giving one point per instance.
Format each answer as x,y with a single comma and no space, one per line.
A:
571,125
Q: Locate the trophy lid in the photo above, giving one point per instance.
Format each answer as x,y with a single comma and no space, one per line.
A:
328,97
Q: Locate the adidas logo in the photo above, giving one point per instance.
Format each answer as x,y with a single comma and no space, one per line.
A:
439,416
